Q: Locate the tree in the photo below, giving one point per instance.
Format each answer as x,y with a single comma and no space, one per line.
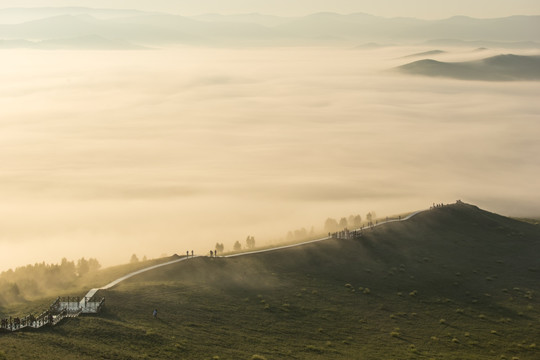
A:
237,246
219,248
357,221
290,236
93,264
343,223
369,217
82,266
134,259
67,268
300,234
331,225
250,242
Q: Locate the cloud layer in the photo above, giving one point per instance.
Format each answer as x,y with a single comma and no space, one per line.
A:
106,154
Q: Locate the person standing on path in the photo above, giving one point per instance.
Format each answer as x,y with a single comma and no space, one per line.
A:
155,313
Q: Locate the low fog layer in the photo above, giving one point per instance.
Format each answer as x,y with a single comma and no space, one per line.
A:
106,154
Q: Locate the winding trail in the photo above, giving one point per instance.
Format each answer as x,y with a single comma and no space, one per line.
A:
92,292
74,309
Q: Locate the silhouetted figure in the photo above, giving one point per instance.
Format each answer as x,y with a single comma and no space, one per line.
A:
155,313
211,253
191,253
187,254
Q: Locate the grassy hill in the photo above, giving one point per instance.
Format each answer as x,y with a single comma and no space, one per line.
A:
497,68
451,283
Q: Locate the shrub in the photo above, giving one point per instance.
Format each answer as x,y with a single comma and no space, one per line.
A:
314,349
258,357
413,293
455,340
367,291
442,322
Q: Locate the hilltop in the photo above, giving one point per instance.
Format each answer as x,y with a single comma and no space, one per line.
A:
450,283
497,68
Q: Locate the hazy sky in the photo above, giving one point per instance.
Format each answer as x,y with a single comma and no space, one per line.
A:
390,8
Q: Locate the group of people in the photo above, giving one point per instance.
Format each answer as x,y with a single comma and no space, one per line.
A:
436,206
347,234
16,323
213,253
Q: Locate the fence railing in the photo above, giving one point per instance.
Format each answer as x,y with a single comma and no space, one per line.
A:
61,308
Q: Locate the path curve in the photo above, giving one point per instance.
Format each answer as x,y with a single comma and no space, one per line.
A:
92,292
72,310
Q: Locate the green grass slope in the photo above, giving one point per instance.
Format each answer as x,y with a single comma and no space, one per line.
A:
451,283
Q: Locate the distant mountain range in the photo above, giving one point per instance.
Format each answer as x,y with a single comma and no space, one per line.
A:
155,29
497,68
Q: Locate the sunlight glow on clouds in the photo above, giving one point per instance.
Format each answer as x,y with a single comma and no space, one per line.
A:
159,151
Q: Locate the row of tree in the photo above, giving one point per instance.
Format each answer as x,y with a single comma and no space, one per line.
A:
352,222
41,278
135,259
331,225
250,244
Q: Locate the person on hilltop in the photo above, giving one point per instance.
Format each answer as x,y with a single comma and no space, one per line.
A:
155,313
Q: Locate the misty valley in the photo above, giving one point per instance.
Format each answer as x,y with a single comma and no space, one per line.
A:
255,186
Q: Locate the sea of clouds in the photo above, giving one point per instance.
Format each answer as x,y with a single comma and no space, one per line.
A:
109,153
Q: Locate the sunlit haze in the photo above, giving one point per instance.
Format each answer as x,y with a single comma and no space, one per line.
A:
173,147
428,9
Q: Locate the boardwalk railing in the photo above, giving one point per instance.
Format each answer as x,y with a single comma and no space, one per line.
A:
61,308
